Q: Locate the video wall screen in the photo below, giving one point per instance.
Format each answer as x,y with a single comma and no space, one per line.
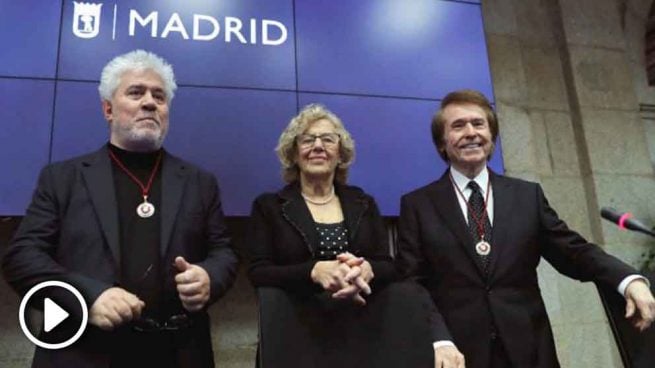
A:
244,68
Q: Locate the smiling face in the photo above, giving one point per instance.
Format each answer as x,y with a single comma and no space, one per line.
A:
467,138
320,159
138,111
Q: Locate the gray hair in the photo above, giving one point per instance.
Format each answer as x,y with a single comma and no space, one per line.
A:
287,149
135,60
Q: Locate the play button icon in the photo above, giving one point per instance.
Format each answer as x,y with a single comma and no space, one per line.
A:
60,302
53,315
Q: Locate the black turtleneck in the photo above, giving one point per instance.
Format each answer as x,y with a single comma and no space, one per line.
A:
140,238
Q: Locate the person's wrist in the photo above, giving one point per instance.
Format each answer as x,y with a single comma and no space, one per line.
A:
368,271
312,274
315,271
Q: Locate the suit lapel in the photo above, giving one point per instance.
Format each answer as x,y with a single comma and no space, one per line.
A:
503,203
296,212
173,180
353,206
98,176
447,206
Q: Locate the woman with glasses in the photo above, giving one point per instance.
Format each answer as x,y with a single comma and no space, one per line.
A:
321,241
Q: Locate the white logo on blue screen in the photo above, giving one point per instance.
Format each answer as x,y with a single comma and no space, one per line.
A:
199,27
86,19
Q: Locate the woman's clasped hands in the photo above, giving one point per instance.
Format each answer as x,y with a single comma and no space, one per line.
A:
347,277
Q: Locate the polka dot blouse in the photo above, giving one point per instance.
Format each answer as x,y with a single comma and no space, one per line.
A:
333,240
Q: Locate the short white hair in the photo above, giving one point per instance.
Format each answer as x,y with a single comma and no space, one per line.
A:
135,60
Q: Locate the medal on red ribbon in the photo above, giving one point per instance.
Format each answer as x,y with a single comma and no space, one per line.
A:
145,209
483,248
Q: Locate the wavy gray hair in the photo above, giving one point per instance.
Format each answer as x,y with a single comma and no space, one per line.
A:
135,60
287,149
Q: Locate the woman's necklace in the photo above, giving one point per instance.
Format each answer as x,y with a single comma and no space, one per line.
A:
327,200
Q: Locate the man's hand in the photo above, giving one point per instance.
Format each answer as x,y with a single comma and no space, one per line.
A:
192,285
640,304
448,357
114,307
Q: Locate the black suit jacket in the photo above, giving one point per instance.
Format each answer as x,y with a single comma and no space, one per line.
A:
300,324
283,239
70,233
473,309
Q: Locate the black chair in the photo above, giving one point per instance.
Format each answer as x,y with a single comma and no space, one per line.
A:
637,349
317,331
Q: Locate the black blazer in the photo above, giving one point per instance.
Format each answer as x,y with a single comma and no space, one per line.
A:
70,233
283,239
473,309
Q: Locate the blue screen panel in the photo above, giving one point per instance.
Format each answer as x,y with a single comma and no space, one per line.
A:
496,163
410,52
28,34
79,125
25,110
192,36
231,133
394,150
422,48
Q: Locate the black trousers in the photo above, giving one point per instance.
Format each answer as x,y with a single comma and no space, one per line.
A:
161,349
499,358
144,350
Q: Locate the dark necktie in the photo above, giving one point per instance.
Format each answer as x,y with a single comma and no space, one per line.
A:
477,216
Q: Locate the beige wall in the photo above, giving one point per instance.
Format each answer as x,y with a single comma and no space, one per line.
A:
634,20
569,80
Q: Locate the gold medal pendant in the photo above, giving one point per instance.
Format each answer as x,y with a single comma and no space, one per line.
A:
145,209
483,248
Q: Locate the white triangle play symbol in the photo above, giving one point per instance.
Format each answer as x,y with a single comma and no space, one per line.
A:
53,315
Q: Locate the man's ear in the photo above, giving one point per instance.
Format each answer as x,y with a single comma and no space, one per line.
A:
107,110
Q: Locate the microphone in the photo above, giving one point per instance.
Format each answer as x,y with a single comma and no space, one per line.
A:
625,220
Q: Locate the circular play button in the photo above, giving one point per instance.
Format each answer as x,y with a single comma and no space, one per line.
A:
64,314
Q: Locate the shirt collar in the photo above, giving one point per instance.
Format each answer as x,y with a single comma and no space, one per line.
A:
462,181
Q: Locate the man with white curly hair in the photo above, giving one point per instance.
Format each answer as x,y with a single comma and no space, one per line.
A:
139,232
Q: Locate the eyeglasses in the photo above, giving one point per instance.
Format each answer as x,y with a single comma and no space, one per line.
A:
173,323
308,140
